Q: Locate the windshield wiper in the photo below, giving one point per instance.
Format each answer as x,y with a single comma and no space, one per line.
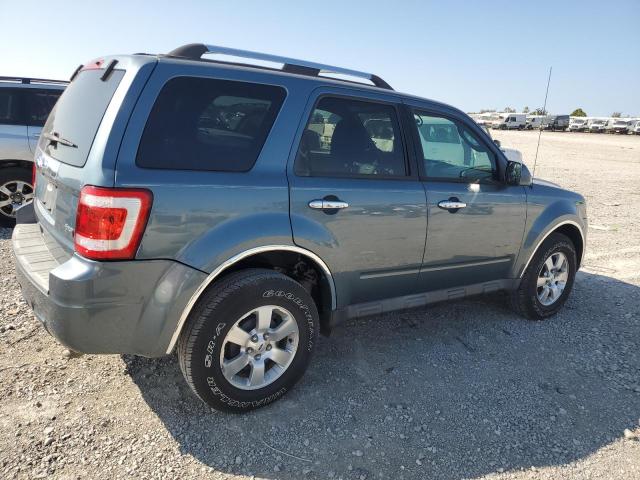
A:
54,137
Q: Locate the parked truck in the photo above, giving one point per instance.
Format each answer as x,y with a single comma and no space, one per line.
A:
619,125
598,125
510,121
578,124
534,121
555,122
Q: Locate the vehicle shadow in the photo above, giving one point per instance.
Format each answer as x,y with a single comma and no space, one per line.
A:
452,391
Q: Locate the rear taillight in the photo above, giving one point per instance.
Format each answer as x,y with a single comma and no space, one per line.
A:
33,176
110,222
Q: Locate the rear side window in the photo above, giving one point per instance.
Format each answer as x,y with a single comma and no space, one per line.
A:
10,107
39,105
351,138
208,124
77,116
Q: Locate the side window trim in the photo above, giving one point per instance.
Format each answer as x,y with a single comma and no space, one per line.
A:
475,129
406,140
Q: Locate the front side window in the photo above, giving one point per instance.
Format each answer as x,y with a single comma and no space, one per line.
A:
10,108
40,103
208,124
452,152
346,137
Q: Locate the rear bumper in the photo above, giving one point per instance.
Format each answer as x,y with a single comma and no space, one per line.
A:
102,307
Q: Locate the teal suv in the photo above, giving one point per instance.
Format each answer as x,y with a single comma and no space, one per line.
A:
232,212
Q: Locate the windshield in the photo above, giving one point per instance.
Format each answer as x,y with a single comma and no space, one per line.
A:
72,125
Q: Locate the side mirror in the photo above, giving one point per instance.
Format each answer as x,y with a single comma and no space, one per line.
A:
497,142
517,174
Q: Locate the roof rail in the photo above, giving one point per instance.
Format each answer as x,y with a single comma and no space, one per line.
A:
194,51
27,80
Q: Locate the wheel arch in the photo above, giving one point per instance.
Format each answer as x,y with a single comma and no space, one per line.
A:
569,228
286,259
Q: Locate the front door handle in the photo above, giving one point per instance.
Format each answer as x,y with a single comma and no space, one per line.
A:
453,204
325,204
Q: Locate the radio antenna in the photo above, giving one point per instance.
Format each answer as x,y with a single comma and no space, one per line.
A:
544,111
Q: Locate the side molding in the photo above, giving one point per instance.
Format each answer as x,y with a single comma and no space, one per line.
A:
236,258
555,227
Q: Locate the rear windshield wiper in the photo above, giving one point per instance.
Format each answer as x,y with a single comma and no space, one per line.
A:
54,137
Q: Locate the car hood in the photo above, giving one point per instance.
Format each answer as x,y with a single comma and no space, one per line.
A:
545,183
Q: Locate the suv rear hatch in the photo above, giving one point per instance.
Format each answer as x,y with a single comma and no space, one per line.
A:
80,139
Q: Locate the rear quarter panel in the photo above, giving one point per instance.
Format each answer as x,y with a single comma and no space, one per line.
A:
203,218
100,165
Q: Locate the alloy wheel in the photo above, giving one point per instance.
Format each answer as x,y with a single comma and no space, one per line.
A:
259,347
552,278
14,194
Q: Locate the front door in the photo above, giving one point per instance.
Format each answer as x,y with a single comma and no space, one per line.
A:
476,221
355,198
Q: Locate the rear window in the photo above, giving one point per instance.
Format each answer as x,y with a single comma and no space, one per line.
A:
77,116
208,124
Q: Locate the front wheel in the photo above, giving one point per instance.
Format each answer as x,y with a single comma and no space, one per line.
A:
548,279
249,340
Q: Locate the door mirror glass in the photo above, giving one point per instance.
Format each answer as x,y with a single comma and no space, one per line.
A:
497,142
513,173
517,173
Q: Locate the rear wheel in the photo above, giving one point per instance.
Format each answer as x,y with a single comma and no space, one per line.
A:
15,190
548,280
249,340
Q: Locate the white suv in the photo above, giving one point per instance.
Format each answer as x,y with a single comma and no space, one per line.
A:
25,104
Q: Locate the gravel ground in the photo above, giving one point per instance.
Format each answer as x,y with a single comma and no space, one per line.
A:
459,390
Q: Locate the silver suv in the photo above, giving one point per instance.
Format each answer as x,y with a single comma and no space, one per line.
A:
25,104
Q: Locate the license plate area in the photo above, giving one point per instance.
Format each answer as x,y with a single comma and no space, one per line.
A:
49,196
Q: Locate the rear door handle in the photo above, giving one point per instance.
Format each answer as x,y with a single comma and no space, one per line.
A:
452,205
449,205
328,204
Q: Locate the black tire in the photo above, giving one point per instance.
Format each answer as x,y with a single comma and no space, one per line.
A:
217,311
7,175
524,300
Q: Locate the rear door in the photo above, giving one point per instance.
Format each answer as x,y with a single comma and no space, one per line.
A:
39,103
355,198
476,221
